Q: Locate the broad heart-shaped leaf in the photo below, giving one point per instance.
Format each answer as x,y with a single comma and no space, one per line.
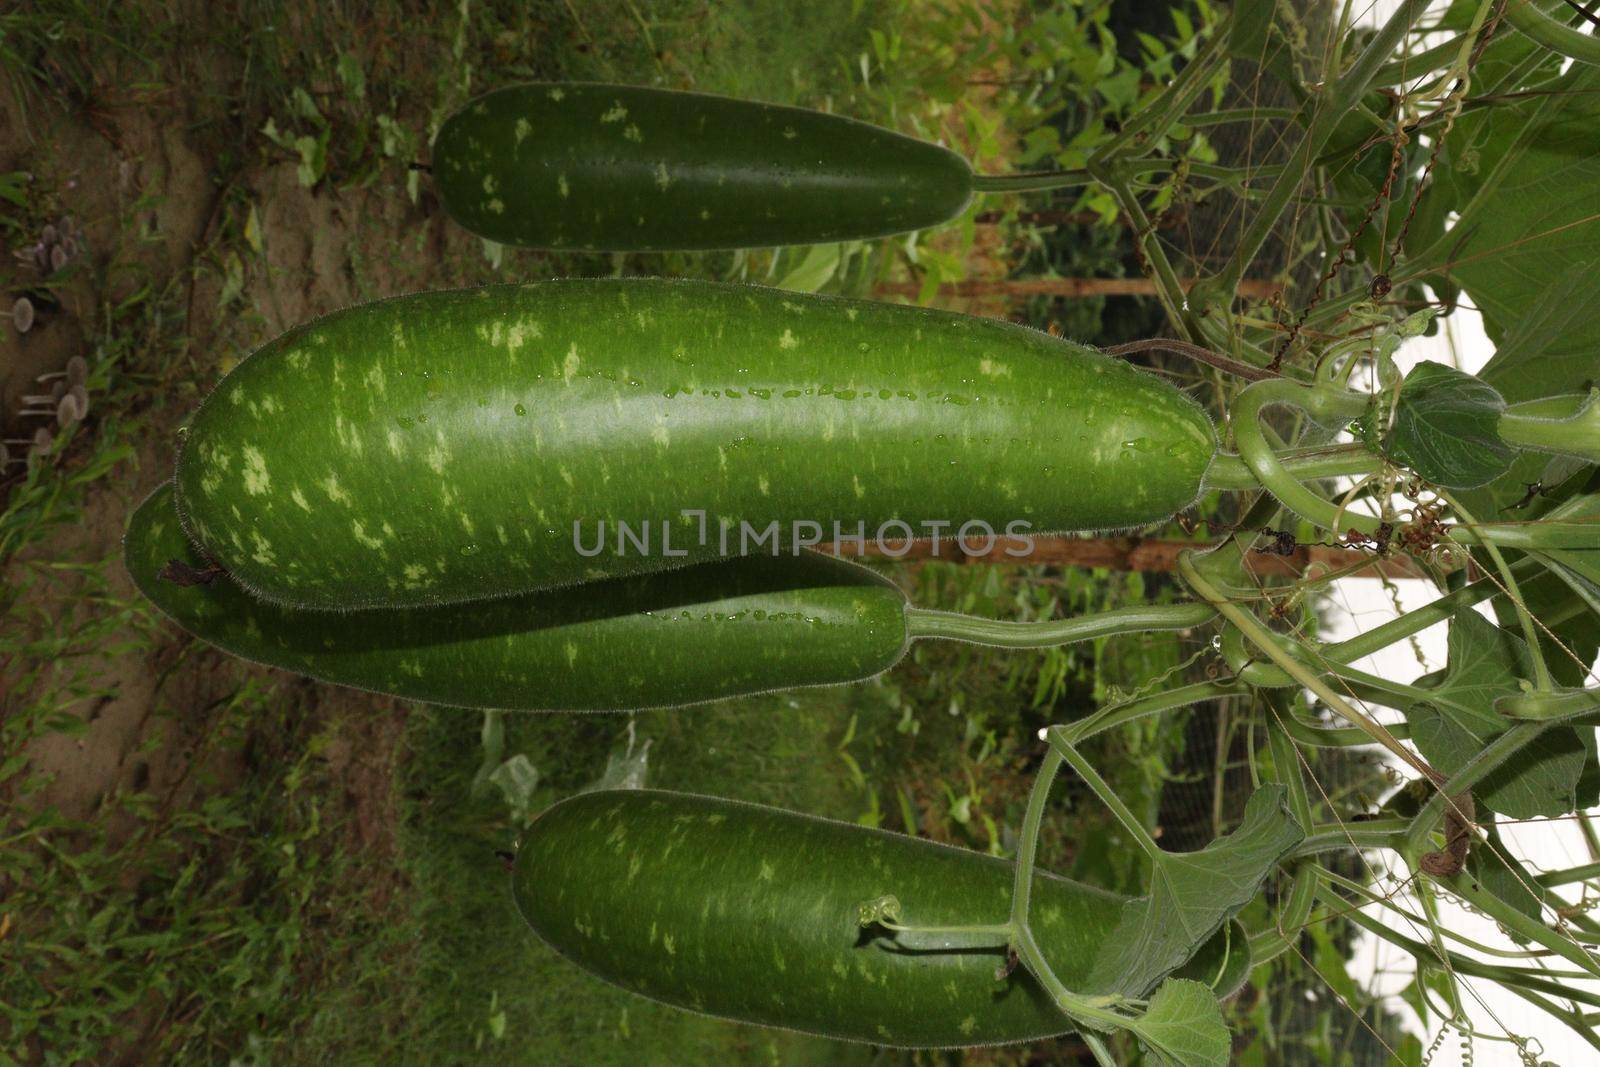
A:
1446,428
1569,646
1183,1027
1192,894
1485,662
1528,253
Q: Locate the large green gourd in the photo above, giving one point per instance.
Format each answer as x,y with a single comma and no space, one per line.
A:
454,446
626,168
716,630
751,913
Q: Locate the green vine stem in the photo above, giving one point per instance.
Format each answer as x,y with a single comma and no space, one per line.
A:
1557,704
1124,815
1267,945
1541,670
1367,834
1321,403
1325,404
1468,889
1556,36
1285,759
1240,114
1169,289
1439,57
1028,849
1315,735
1305,465
1337,100
995,633
1044,180
1587,872
1089,1009
1513,978
1114,715
1030,181
1356,889
1266,640
1577,434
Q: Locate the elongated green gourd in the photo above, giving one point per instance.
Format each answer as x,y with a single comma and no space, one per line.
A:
625,168
453,446
720,629
751,913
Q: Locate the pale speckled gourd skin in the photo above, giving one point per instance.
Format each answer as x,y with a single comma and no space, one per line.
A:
749,913
721,629
627,168
439,447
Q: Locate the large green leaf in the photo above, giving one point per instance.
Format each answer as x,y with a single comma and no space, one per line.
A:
1446,428
1183,1027
1192,894
1527,250
1485,663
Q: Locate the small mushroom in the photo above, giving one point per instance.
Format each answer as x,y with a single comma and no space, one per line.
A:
80,398
22,314
76,373
67,411
48,234
58,258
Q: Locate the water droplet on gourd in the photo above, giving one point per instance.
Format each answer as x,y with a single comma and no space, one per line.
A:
1138,444
520,410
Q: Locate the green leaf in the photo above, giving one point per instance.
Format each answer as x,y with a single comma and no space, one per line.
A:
816,265
1485,663
1527,253
1569,646
1192,894
351,74
1446,428
1183,1027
